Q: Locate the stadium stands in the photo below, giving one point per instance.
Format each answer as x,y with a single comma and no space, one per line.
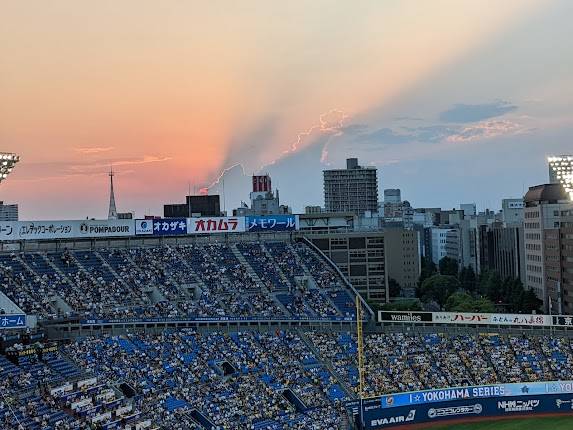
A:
248,279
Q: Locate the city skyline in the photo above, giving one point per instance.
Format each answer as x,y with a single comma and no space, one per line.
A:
444,100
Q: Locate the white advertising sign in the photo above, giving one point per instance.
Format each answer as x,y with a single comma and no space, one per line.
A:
491,319
143,226
41,230
215,225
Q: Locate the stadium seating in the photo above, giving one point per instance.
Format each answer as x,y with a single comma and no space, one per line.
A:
248,279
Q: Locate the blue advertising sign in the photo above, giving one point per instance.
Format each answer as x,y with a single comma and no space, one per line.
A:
169,226
12,321
376,418
271,223
477,392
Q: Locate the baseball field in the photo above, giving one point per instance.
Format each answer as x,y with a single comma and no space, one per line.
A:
548,423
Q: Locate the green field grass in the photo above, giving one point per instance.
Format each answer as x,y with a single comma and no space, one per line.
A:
550,423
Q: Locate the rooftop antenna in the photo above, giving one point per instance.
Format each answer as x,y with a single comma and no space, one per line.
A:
112,213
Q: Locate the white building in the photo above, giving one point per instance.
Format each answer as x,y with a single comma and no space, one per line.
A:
439,238
544,207
8,212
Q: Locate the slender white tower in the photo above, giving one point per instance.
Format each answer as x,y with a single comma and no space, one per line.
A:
112,213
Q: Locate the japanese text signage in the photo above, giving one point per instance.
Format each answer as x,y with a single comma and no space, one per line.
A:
216,225
12,321
477,318
272,223
42,230
491,319
169,226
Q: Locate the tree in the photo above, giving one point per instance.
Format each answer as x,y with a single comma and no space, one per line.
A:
438,288
394,288
463,302
403,305
448,266
530,302
427,269
468,279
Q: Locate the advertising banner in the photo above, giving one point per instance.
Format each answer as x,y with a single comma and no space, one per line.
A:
143,226
47,230
473,318
563,320
378,418
386,316
37,230
12,321
476,392
105,228
272,223
491,319
169,226
216,225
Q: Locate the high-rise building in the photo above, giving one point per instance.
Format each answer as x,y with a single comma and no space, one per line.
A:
8,212
544,208
354,189
561,172
263,200
402,248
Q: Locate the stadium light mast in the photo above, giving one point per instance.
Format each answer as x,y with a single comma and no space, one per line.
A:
360,350
7,162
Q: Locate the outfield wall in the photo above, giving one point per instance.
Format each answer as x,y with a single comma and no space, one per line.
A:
463,404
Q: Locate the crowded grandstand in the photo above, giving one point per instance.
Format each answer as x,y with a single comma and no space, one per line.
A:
245,334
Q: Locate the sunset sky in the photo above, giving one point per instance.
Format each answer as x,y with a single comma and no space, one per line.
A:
454,101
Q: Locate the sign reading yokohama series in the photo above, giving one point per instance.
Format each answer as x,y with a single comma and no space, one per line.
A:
216,225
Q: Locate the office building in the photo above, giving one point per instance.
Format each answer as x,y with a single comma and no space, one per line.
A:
354,189
8,212
561,172
502,250
207,205
440,243
360,255
402,249
469,209
263,200
544,206
512,211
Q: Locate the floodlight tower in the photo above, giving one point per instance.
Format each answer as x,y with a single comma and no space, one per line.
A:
561,171
7,162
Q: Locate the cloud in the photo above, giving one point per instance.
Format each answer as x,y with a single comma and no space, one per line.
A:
87,150
486,130
461,113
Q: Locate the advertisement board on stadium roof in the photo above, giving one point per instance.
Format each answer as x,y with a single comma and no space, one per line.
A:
169,226
206,225
46,230
272,223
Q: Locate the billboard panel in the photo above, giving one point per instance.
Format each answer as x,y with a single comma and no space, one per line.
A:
12,321
46,230
478,318
272,223
169,226
105,228
216,225
143,226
